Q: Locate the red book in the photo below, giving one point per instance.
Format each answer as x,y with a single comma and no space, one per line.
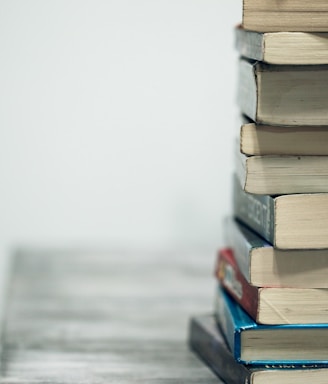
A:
270,305
233,281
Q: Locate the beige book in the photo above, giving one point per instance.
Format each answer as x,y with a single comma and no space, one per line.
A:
294,48
280,175
259,139
285,15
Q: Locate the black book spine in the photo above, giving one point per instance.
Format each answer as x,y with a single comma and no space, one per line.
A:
207,342
256,211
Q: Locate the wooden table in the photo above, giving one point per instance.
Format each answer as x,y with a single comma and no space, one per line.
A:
105,317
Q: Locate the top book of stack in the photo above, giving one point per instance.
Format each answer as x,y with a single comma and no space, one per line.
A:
285,15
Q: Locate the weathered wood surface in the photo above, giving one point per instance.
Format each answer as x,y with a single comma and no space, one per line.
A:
83,317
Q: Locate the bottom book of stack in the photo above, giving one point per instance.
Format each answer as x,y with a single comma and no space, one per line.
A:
240,351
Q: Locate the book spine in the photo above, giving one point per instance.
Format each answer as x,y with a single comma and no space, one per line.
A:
249,44
256,211
212,349
235,240
235,283
247,89
226,323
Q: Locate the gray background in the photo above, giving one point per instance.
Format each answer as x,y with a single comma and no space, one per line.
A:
117,121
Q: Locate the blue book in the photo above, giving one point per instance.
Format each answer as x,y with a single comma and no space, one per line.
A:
257,344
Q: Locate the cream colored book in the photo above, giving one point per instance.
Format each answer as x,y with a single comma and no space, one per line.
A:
259,139
285,15
280,175
284,94
294,48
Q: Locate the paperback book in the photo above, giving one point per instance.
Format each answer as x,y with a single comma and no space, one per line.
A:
283,94
267,345
263,265
285,15
286,48
277,175
206,339
271,305
260,139
296,221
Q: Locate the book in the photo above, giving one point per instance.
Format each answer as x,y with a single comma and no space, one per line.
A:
258,344
282,174
207,341
294,48
296,221
263,265
271,305
261,139
285,15
283,94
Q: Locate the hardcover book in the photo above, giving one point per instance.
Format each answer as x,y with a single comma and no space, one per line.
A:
267,345
285,15
208,342
288,48
297,221
283,94
263,265
271,305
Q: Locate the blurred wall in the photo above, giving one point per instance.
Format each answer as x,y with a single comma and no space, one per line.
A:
117,121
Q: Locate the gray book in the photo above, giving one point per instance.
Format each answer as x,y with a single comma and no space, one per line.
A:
295,221
262,265
284,94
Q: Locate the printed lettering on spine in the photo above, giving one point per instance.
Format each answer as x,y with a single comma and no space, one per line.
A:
254,210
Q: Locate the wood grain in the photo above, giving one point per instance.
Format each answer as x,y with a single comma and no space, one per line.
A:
105,317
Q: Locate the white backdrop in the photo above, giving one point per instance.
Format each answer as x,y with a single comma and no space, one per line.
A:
117,120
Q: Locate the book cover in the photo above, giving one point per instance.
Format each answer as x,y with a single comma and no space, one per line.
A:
257,211
242,241
230,277
207,341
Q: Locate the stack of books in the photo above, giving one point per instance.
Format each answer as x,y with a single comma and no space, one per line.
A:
270,322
